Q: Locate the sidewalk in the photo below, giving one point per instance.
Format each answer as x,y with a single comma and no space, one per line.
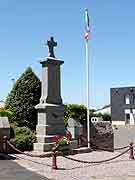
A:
119,169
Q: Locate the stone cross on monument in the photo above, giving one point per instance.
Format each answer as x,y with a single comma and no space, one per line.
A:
51,44
50,109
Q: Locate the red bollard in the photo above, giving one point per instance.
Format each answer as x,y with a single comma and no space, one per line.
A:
131,156
54,160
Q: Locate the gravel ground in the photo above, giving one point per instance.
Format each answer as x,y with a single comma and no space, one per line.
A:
119,169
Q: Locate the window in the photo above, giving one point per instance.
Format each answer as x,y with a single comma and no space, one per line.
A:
127,99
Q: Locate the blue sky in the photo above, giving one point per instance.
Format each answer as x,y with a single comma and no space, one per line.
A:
26,25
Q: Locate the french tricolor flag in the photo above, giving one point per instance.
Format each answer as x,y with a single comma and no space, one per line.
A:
87,26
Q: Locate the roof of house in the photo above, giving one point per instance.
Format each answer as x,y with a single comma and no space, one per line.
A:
104,107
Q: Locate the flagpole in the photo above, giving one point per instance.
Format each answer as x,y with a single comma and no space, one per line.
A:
87,36
87,92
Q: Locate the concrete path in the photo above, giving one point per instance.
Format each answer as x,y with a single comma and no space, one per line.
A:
10,170
119,169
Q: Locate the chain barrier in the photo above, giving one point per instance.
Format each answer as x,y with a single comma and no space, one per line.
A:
32,160
45,155
93,162
117,149
27,154
101,148
55,151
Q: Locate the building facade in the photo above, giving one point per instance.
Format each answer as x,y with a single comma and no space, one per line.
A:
123,105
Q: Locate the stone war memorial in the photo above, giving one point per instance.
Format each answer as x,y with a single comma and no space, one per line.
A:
50,109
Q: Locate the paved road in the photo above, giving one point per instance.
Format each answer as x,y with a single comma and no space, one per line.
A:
10,170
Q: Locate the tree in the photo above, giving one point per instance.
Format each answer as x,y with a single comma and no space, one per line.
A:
23,98
78,112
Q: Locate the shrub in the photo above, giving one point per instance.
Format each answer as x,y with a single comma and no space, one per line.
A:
23,138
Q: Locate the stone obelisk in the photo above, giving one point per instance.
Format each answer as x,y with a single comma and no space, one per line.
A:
50,109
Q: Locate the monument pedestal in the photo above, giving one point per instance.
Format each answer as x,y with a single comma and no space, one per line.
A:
50,109
50,123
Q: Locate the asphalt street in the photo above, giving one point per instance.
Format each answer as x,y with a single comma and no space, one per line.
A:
10,170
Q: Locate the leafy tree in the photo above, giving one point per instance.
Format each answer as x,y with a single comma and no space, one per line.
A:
78,112
106,117
23,98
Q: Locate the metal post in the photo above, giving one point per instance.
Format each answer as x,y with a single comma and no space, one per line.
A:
131,156
5,144
54,160
87,93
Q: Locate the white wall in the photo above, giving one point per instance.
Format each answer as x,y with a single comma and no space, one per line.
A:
2,104
106,110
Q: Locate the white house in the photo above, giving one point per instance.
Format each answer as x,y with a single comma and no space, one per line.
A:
2,104
104,110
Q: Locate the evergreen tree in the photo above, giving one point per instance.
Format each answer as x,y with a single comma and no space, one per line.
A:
23,98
